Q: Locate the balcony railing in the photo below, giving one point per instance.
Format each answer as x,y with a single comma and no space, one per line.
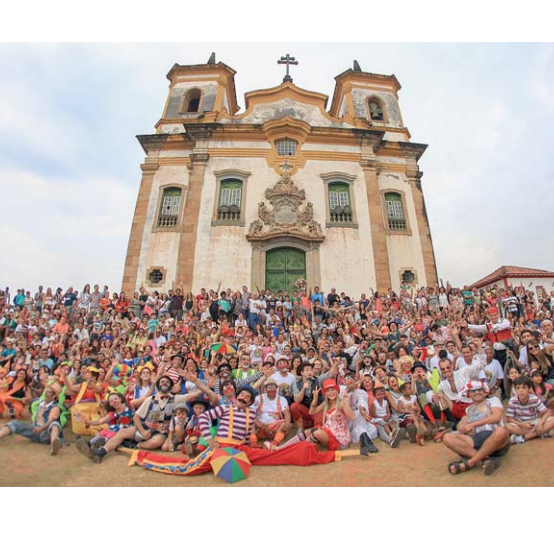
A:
167,221
341,214
397,224
228,213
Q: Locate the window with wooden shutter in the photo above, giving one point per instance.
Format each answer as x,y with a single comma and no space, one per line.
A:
169,210
339,203
395,211
230,200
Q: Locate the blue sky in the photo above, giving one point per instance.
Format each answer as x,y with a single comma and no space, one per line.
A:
69,160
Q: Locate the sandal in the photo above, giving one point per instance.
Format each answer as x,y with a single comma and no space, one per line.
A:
420,439
439,436
455,468
490,465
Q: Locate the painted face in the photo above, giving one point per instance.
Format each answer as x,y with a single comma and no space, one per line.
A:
271,390
244,399
181,415
114,400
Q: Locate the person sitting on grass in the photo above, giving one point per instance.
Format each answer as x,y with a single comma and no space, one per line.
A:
362,428
479,436
273,416
151,421
46,428
334,434
381,417
410,415
118,416
176,435
526,416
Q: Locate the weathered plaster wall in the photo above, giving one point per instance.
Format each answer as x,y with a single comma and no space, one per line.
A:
298,110
404,251
161,248
360,97
209,91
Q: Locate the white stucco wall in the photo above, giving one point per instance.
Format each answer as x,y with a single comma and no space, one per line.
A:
404,251
224,254
161,248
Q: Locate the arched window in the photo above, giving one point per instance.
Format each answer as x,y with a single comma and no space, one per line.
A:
395,211
286,147
230,200
192,101
169,209
376,112
340,209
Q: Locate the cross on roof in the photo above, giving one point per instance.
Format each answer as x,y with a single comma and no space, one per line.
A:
289,61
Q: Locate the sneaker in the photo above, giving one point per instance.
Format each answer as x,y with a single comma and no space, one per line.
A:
516,440
398,435
84,448
55,446
98,455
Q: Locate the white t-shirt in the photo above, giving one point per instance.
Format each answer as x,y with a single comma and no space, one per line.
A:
494,373
270,410
285,383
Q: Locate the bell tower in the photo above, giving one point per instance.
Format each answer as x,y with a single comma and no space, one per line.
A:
198,93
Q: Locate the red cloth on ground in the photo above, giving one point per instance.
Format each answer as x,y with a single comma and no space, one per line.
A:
302,454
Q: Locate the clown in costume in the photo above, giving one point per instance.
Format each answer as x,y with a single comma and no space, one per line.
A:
334,434
273,415
119,416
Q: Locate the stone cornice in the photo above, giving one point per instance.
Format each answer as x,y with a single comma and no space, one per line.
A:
152,142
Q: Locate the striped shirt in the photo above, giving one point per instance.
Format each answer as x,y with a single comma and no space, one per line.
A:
229,416
532,410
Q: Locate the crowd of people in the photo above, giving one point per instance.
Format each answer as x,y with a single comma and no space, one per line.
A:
471,368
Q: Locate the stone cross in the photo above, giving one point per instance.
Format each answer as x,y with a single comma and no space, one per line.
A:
288,60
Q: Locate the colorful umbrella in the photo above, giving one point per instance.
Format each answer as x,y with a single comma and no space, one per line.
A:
230,464
224,348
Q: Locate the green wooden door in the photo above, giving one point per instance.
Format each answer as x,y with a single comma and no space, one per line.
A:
283,268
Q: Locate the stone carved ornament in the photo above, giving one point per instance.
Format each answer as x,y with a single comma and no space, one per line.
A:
286,216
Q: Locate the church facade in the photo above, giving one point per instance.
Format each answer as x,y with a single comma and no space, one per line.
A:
290,188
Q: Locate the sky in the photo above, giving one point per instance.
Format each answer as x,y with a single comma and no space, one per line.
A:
70,162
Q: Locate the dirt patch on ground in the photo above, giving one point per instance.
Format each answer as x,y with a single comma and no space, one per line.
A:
26,464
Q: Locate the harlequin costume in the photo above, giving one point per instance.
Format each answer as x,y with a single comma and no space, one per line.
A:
234,431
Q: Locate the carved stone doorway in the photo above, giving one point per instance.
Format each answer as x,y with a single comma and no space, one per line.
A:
283,268
309,249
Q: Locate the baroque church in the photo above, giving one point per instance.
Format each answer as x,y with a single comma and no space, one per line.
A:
290,188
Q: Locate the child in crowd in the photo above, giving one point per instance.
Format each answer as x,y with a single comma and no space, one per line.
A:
191,446
410,415
526,416
176,435
381,417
